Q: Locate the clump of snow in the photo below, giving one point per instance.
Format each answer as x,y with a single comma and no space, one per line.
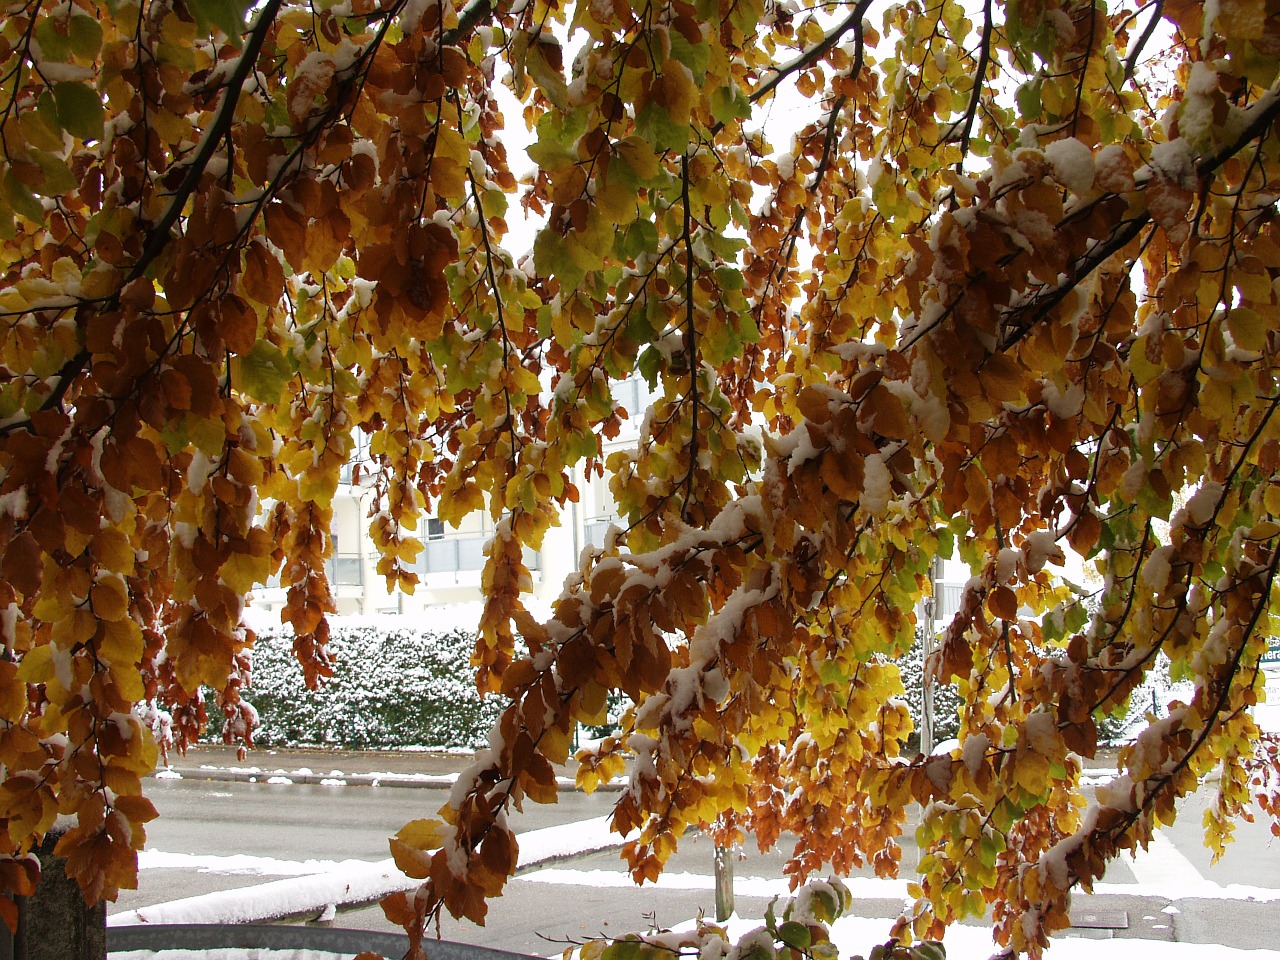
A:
1175,160
1072,163
1201,504
1201,96
876,485
1112,169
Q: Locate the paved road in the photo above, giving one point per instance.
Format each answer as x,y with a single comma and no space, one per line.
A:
293,822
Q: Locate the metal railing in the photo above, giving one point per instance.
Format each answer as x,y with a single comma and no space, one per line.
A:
345,570
213,936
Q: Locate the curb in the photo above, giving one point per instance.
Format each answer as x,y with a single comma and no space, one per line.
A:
424,781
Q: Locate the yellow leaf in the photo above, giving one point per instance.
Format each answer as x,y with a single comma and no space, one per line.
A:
411,847
112,549
13,693
110,598
1272,500
1247,328
37,665
242,571
639,156
121,643
128,680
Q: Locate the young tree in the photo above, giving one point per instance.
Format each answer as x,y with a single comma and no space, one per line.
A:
1011,284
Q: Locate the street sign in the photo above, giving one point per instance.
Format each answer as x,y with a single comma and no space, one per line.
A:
1271,659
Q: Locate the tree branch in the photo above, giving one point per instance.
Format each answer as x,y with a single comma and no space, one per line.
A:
814,53
158,236
980,77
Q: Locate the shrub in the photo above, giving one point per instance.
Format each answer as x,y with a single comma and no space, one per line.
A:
946,701
395,683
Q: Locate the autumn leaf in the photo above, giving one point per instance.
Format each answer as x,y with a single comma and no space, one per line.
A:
1005,282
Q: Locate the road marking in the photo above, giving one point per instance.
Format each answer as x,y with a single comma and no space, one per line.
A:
1162,863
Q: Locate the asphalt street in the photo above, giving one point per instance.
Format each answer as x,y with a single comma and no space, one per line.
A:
543,911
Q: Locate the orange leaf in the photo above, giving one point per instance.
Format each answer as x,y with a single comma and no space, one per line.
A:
1003,603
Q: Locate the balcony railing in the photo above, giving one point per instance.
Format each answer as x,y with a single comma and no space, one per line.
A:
594,530
457,554
345,570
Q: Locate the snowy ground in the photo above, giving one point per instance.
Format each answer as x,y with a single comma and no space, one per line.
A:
1161,874
1159,885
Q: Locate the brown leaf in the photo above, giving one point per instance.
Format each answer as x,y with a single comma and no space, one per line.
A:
263,277
887,416
21,566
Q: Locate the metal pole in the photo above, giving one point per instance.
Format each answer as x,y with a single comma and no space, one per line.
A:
926,648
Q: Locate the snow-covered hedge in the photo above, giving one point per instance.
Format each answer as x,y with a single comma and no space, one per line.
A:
946,702
396,683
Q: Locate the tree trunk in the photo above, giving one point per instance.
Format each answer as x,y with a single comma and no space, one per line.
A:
54,923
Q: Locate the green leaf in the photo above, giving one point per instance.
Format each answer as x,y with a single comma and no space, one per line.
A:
723,246
262,373
795,934
729,279
695,56
946,543
641,236
552,256
40,126
655,125
21,200
729,103
54,45
84,36
57,175
80,110
226,15
648,363
1028,96
556,145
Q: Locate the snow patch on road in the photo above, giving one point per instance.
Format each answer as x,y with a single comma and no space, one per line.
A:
1162,863
243,863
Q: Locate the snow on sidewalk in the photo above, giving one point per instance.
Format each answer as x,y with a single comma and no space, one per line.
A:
351,882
